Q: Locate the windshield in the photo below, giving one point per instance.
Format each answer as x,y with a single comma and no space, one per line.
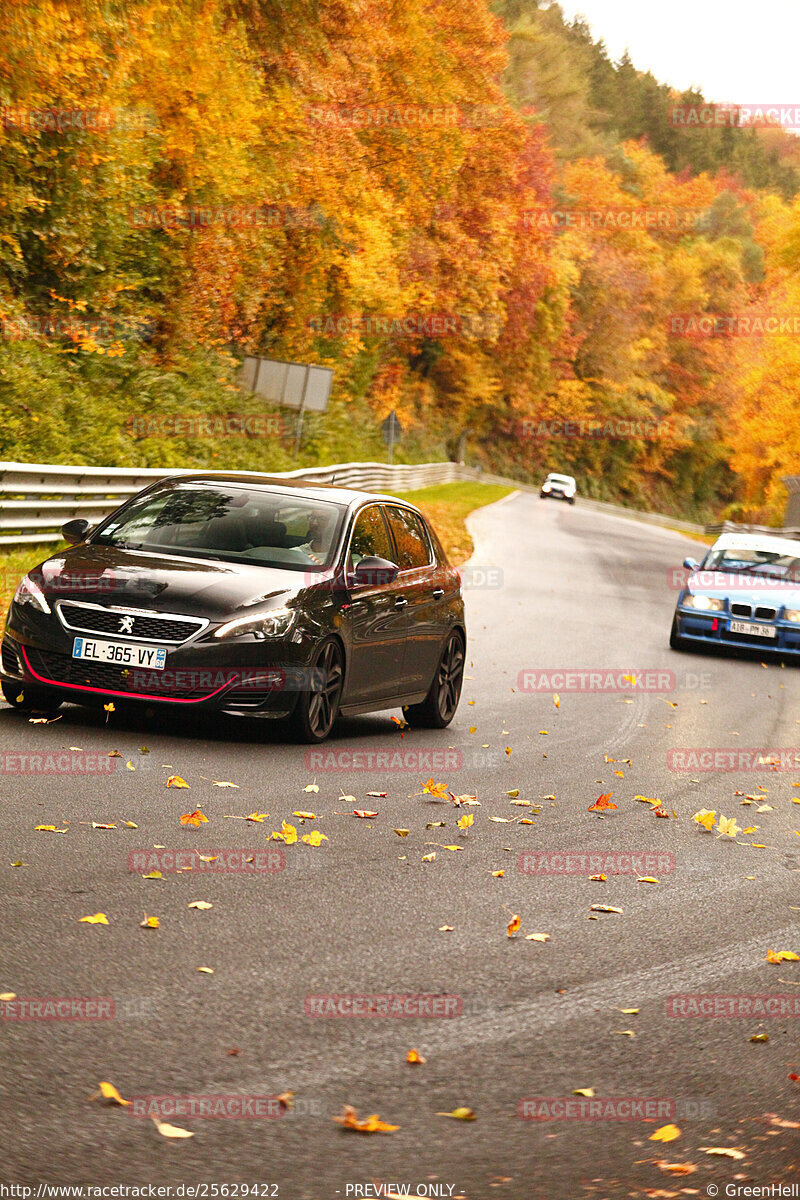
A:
551,478
768,564
236,524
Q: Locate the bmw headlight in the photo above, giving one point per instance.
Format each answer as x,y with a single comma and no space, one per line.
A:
791,614
29,592
704,603
262,625
545,487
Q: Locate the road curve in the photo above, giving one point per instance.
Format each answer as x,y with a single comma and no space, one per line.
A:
550,588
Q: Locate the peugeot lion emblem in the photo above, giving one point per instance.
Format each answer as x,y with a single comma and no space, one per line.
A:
126,624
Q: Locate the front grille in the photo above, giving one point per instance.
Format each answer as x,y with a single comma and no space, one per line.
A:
742,610
107,677
156,628
10,660
765,614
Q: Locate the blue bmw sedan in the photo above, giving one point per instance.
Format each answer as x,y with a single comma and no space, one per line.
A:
745,593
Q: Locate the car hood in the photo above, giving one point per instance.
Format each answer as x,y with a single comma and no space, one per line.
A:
198,587
720,583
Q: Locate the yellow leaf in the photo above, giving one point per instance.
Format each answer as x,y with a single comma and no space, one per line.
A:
727,827
315,838
109,1092
6,997
460,1114
373,1124
49,829
206,970
97,919
604,908
256,817
171,1131
537,937
311,787
305,816
706,817
667,1133
153,875
429,857
130,824
202,904
101,825
194,818
149,922
465,821
498,874
439,790
778,956
289,833
447,928
722,1151
629,1012
402,832
515,792
647,879
588,1092
557,700
176,781
414,1056
514,924
453,847
598,878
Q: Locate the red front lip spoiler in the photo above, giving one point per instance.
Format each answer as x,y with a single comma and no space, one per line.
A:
80,687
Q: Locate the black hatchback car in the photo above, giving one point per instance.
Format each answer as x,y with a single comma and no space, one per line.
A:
249,596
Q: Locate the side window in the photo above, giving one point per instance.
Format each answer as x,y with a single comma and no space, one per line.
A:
370,536
413,547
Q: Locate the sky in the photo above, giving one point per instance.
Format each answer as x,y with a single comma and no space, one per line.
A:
739,51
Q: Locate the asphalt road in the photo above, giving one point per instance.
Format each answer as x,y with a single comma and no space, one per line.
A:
361,914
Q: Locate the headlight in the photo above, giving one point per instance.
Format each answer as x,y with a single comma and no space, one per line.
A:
264,625
545,487
704,603
791,614
29,592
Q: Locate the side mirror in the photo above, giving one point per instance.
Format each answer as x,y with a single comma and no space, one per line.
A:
373,571
690,564
75,531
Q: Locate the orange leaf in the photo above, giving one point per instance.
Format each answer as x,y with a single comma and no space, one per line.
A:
373,1124
194,818
602,802
514,925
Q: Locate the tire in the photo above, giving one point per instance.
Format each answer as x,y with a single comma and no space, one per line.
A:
572,499
318,707
675,640
439,706
33,698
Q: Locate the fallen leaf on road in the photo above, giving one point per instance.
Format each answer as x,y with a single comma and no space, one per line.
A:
706,817
722,1151
431,788
97,919
176,781
598,878
153,875
311,787
305,816
402,832
223,783
514,924
429,857
48,829
666,1133
604,908
676,1168
629,1012
377,795
194,818
460,1114
446,929
602,802
498,874
625,1032
760,1037
149,922
101,825
588,1092
515,792
130,824
349,1120
7,997
206,970
171,1131
203,904
778,956
537,937
414,1056
363,812
465,821
727,827
109,1092
315,838
647,879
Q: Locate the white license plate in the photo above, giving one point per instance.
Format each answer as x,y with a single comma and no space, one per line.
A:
121,653
763,631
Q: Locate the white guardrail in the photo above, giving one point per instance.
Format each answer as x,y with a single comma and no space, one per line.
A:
36,500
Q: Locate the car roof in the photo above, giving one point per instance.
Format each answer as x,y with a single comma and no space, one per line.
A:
352,497
558,475
757,541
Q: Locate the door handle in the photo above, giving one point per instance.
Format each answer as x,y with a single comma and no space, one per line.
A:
400,602
437,592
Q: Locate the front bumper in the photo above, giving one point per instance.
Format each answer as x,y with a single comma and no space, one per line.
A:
556,496
712,629
260,678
